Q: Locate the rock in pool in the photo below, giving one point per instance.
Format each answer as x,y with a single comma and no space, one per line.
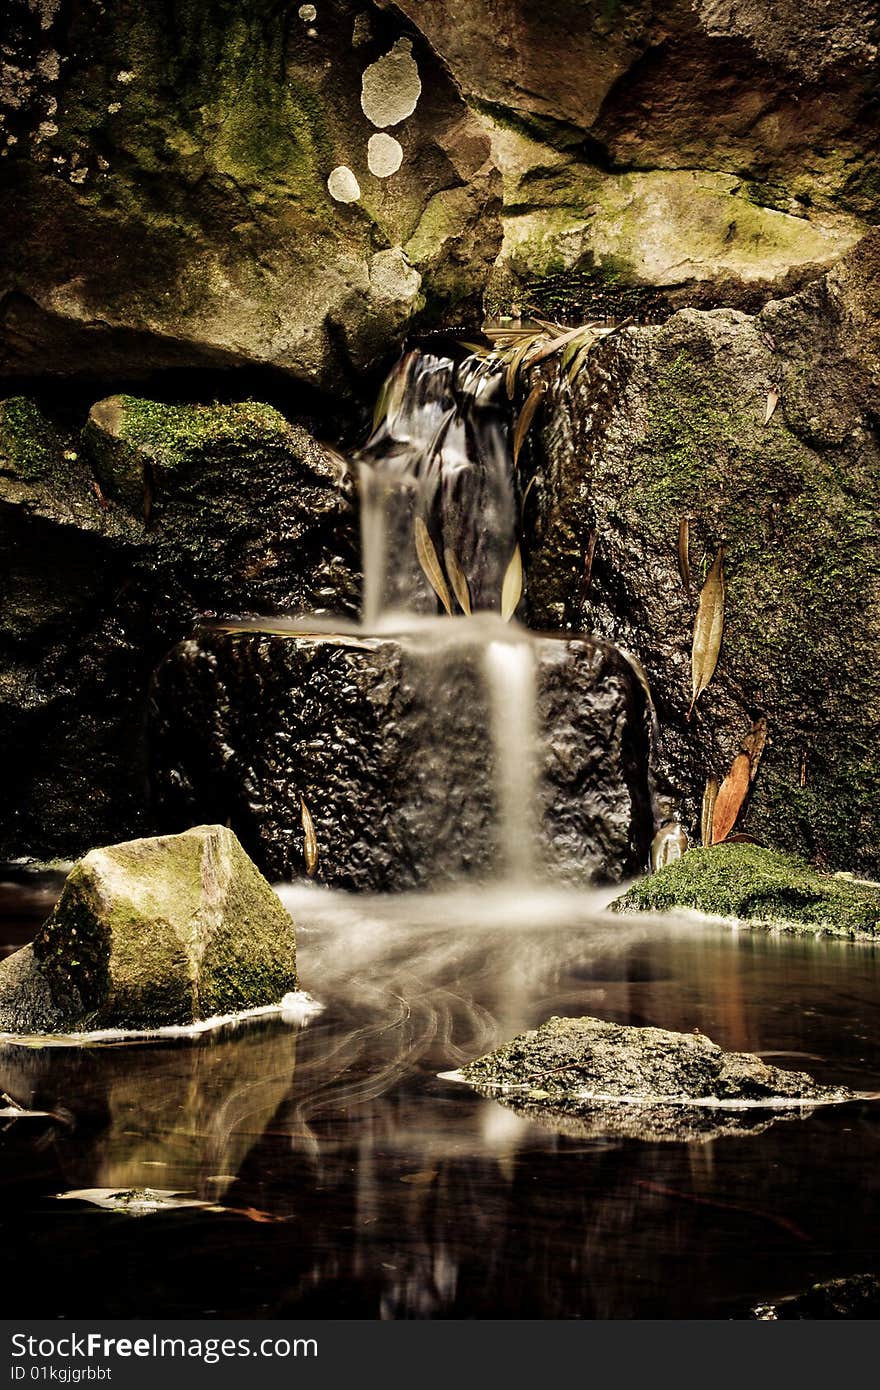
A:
589,1078
170,930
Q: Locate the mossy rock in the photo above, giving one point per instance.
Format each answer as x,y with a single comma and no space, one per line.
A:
149,933
763,887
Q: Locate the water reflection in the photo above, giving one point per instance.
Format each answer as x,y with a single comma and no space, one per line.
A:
352,1180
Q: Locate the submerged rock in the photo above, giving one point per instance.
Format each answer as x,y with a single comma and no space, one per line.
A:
665,426
763,888
389,741
589,1077
149,933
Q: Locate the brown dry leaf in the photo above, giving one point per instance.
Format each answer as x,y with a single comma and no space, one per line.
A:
708,629
422,1179
684,541
731,795
772,403
709,798
310,840
525,418
458,580
431,565
516,361
511,589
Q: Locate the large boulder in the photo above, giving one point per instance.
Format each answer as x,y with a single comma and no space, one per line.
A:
205,186
669,425
390,743
763,888
112,540
151,933
587,1077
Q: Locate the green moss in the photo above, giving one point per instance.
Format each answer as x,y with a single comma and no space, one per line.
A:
761,886
30,447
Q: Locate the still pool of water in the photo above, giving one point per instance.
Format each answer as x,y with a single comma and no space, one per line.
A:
327,1170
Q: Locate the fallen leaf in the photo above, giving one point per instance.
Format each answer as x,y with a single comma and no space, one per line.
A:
458,580
731,795
684,567
431,565
772,403
753,745
423,1179
525,418
708,629
511,589
310,840
709,797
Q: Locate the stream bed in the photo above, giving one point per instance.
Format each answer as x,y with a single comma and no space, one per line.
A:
275,1169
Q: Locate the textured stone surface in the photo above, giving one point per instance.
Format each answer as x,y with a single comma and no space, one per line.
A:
566,1072
169,198
110,543
667,423
391,748
763,888
153,932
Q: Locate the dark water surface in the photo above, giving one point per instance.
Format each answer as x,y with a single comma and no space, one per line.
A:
335,1174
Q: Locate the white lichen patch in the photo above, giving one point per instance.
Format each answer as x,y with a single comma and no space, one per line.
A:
391,87
392,278
307,13
49,66
363,30
343,186
114,107
46,9
45,130
384,155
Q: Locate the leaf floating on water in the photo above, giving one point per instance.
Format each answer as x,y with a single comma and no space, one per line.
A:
709,798
772,403
511,589
708,629
431,565
731,795
310,840
684,542
458,580
525,418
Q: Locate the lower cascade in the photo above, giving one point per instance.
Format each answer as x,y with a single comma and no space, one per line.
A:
439,740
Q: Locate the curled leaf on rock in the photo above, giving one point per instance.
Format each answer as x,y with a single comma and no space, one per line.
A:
430,564
458,580
710,795
735,787
511,589
529,485
708,629
772,403
731,795
310,839
684,541
525,418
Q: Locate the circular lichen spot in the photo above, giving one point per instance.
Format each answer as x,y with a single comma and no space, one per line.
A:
391,87
343,185
307,13
384,155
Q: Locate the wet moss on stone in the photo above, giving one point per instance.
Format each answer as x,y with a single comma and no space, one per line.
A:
762,887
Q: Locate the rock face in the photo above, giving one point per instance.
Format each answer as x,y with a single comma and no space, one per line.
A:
763,888
570,1071
667,425
198,188
390,746
153,932
240,183
854,1298
112,540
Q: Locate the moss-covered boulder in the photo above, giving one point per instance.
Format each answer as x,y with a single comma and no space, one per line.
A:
153,932
757,434
762,887
589,1077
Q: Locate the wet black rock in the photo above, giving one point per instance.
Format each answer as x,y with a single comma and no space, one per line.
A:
153,932
854,1298
112,541
390,746
588,1077
666,425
